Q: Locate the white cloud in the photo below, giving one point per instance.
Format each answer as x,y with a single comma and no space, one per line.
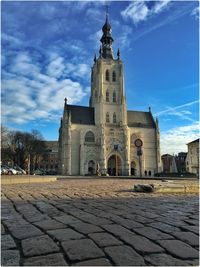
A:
136,11
178,111
195,12
175,140
30,93
160,6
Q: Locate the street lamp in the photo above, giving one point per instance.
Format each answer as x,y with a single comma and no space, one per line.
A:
139,144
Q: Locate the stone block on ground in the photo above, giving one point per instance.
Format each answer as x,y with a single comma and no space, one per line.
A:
124,256
7,242
86,228
65,234
49,224
179,249
188,237
10,258
95,262
82,249
152,233
162,259
56,259
105,239
38,246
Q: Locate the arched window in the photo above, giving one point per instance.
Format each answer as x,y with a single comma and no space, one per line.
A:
107,96
114,76
107,75
114,97
89,137
114,118
107,117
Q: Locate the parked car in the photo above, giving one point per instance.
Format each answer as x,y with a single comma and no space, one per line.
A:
4,170
10,170
19,170
38,172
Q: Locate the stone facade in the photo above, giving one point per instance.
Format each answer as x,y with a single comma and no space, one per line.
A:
193,157
89,136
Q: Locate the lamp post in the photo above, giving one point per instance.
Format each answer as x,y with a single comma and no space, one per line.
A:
116,148
139,144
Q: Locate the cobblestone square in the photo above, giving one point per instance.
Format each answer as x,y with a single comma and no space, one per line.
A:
97,222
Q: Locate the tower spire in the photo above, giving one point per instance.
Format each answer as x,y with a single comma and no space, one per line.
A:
107,39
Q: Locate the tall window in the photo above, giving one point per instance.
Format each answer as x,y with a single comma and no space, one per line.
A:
89,137
114,76
114,97
107,96
95,93
107,117
114,118
107,75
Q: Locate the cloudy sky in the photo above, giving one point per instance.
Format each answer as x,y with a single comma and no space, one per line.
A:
48,50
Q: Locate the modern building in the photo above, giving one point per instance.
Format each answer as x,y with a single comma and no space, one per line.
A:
193,157
101,138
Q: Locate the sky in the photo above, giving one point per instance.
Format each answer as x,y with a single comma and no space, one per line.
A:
48,49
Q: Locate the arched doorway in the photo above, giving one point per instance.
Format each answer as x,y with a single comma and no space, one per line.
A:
111,167
91,167
133,168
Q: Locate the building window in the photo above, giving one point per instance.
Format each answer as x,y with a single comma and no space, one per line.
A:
107,96
89,137
114,76
107,75
107,117
114,97
114,118
95,93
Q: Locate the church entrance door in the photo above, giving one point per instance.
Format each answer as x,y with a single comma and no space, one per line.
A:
133,168
111,167
91,167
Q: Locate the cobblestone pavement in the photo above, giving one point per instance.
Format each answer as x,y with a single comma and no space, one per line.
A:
97,223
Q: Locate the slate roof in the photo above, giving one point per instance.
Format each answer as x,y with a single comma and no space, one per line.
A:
81,115
140,119
195,141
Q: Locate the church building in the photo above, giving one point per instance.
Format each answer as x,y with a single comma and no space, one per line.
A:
101,139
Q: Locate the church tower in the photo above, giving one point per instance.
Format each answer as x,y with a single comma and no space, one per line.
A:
107,83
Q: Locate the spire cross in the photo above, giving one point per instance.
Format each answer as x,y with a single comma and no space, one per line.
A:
107,7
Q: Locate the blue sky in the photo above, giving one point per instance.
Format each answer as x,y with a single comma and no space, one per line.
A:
48,50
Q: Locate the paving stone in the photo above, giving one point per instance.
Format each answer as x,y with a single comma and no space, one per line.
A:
56,259
142,244
67,219
105,239
162,259
96,262
126,222
10,258
86,228
124,256
192,222
117,230
191,228
152,233
38,246
179,249
193,262
49,224
82,249
188,237
24,231
3,231
164,227
65,234
7,242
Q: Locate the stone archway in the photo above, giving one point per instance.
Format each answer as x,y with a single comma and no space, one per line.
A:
133,168
111,165
91,167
